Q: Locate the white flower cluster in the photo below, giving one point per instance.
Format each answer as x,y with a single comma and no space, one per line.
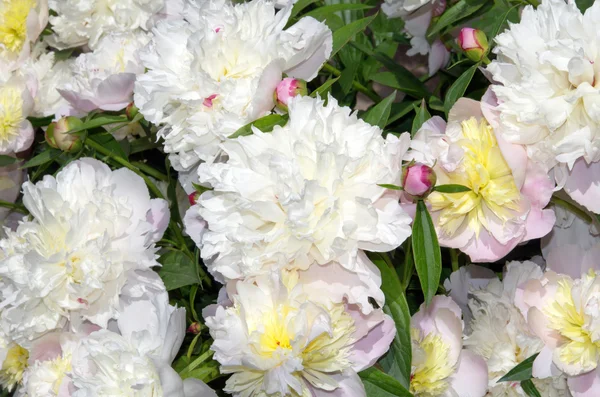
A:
83,313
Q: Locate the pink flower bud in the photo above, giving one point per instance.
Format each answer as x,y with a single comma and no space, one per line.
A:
474,43
418,180
58,136
194,328
286,90
193,197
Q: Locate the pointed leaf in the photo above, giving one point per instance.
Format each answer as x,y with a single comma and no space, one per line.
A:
178,270
378,115
422,115
458,88
321,12
451,188
379,384
7,160
390,186
345,33
460,10
265,124
426,251
324,88
530,389
46,156
520,372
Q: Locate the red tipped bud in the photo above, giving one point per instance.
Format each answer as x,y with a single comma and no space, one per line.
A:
418,180
474,43
194,328
131,111
58,136
286,90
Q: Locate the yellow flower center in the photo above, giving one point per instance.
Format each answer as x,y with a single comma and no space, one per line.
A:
485,171
11,113
13,23
430,366
568,318
13,367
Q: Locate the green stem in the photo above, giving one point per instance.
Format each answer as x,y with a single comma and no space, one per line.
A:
486,60
14,206
118,159
572,208
359,87
454,256
150,171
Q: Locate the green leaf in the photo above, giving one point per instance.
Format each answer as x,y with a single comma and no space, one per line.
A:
530,389
265,124
426,251
7,160
395,81
323,89
178,270
422,115
110,143
520,372
458,88
40,121
460,10
99,121
321,12
500,21
584,4
347,77
398,359
400,110
451,188
391,187
201,189
299,6
345,33
379,384
379,114
46,156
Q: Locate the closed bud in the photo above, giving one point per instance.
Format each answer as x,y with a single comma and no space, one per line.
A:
58,136
418,180
194,328
286,90
474,43
131,111
193,197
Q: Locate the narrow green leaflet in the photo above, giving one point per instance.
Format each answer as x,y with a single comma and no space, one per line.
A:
520,372
347,77
398,82
379,114
530,389
321,12
345,33
379,384
451,188
422,115
7,160
299,6
458,88
46,156
460,10
398,359
324,88
400,110
100,121
426,251
265,124
390,186
110,143
40,121
177,270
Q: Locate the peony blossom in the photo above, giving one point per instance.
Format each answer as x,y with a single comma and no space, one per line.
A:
91,232
562,312
497,331
440,366
16,104
104,79
508,193
85,22
132,359
278,341
305,193
547,90
417,15
217,70
21,22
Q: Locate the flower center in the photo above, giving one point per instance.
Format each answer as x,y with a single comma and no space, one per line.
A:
430,366
13,23
569,319
11,113
13,366
485,171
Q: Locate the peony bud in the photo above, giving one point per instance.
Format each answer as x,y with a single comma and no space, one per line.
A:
131,111
474,43
193,197
418,180
286,89
194,328
57,135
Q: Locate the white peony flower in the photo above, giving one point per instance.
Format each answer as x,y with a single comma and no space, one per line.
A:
51,75
277,341
215,71
103,79
305,193
91,230
548,92
16,104
21,22
85,22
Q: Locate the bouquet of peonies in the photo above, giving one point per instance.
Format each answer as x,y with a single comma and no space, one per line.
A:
310,198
